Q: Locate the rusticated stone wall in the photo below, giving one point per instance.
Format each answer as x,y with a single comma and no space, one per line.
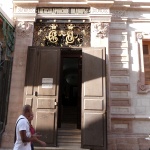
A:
128,120
128,143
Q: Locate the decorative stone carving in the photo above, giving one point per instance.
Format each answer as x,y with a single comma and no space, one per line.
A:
139,35
102,29
25,9
99,11
141,87
53,34
23,29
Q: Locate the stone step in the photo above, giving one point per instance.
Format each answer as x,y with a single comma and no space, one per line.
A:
66,144
59,148
69,132
68,139
68,126
66,136
53,148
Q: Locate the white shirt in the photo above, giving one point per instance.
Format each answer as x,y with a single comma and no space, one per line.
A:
22,124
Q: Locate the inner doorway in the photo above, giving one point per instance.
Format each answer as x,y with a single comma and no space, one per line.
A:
70,87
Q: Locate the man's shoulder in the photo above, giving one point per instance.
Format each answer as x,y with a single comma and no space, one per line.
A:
22,120
21,116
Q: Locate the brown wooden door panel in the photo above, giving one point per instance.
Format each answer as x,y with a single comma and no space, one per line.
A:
29,101
41,90
46,103
94,128
93,98
94,104
30,71
92,72
47,72
45,125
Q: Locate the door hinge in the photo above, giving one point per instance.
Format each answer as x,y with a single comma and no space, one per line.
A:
56,103
35,93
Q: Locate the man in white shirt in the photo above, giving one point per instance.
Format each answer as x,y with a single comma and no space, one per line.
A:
23,136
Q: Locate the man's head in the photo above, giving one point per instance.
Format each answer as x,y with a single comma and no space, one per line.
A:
27,111
31,117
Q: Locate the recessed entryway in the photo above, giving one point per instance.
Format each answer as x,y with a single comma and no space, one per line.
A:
70,87
69,131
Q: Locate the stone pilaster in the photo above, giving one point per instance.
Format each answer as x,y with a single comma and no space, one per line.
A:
99,32
24,36
100,19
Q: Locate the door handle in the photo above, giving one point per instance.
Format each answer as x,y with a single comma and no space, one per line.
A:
36,93
56,104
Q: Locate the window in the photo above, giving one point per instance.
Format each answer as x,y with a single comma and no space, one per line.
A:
146,55
142,45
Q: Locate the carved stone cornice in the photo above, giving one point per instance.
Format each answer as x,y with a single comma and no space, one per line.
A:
26,2
94,10
100,3
122,5
118,13
102,29
24,13
24,29
131,15
100,15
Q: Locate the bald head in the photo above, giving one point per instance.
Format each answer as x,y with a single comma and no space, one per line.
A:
27,110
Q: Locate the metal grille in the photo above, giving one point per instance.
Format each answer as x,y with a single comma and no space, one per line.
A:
62,34
6,59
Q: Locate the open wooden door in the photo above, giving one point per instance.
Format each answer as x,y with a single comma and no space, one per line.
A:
41,90
93,99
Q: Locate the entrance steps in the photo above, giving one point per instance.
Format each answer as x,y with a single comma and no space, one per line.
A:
68,138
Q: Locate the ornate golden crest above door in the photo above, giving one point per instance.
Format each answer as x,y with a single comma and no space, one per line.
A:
62,34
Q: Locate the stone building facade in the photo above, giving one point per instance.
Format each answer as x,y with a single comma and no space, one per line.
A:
122,28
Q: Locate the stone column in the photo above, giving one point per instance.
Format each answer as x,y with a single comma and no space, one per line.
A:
24,37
